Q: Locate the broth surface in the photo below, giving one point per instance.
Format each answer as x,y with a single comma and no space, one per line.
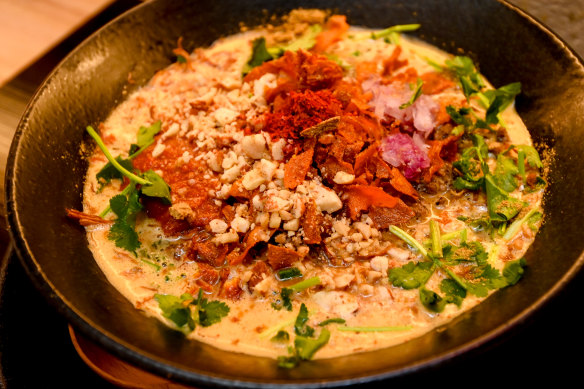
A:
249,200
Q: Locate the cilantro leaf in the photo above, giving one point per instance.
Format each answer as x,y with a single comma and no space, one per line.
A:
307,347
300,326
212,312
453,292
109,172
432,300
468,76
531,155
145,136
175,308
505,173
281,337
284,301
499,99
158,188
411,275
259,55
122,232
513,271
501,206
187,312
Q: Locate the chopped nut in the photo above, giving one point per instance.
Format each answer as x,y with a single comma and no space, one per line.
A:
342,178
292,225
218,226
275,220
254,146
240,224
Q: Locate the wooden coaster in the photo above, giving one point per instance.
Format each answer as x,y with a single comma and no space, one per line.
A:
115,370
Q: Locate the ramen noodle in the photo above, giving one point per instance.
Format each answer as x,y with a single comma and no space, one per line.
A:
311,190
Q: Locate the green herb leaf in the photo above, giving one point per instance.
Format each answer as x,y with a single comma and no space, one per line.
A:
531,155
300,326
337,320
417,93
109,172
505,173
411,275
284,301
187,312
175,308
501,206
122,232
513,271
288,274
259,55
307,347
305,42
453,292
212,312
432,300
281,337
499,100
158,188
145,136
468,76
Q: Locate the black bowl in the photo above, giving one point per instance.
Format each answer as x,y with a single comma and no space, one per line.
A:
46,169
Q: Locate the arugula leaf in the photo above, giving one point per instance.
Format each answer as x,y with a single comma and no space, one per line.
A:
415,96
158,188
411,275
288,274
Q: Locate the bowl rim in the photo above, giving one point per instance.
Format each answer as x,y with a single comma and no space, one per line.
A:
154,364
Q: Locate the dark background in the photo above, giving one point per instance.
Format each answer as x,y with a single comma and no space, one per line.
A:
36,351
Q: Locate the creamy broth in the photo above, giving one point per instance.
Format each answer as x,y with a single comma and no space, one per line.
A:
215,135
